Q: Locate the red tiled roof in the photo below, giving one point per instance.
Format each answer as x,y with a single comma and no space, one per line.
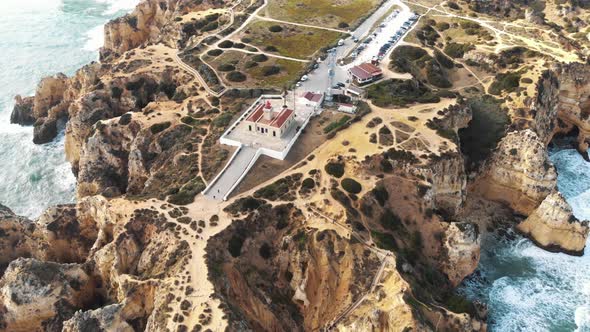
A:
315,97
257,114
281,118
365,71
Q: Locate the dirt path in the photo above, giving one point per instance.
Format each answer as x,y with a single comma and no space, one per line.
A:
555,52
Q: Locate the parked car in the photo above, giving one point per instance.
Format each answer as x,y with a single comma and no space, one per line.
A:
304,78
340,84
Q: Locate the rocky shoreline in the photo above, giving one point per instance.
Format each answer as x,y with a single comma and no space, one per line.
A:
141,250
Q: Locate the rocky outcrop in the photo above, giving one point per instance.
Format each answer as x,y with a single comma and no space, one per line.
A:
553,226
518,173
37,296
462,250
23,111
149,22
58,235
310,275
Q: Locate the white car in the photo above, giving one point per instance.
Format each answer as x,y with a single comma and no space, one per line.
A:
304,78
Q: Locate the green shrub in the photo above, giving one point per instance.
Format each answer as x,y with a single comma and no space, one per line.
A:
222,120
210,27
186,194
271,48
250,64
159,127
351,185
396,92
270,70
260,58
343,25
308,184
381,195
457,50
335,169
384,240
226,44
236,76
215,52
391,221
505,82
234,245
275,28
336,124
226,67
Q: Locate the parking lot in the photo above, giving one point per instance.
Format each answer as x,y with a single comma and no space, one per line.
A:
371,40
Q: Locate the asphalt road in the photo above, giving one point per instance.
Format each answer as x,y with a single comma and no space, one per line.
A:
319,78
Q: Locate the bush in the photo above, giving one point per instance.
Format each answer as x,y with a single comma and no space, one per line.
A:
351,185
275,28
457,50
343,25
270,70
210,27
396,92
390,221
226,44
335,125
234,246
186,194
250,64
335,169
265,251
260,58
381,195
159,127
215,52
222,120
226,67
271,48
308,184
236,76
384,240
507,82
246,40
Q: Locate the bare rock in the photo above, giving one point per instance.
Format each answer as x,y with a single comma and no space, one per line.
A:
518,173
553,226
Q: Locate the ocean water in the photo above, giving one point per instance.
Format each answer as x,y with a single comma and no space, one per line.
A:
40,38
530,289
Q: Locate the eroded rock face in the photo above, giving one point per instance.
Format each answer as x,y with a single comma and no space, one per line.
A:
518,173
58,235
553,226
149,22
311,276
462,248
37,295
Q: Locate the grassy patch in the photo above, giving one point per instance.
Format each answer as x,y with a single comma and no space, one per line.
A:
322,12
334,125
292,41
187,193
505,82
396,92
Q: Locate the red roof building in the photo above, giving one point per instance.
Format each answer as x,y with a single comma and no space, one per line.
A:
365,73
265,121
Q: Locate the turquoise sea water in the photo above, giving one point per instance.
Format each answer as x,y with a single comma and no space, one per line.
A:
40,38
530,289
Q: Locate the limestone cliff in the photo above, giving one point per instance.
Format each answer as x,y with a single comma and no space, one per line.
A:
553,226
518,173
152,21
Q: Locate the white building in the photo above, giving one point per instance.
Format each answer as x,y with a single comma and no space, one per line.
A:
268,122
312,99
